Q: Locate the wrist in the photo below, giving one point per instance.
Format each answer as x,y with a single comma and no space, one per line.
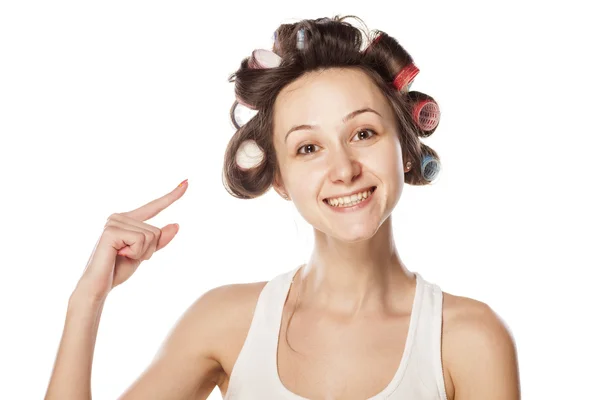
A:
82,296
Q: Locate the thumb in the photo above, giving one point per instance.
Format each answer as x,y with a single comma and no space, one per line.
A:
168,233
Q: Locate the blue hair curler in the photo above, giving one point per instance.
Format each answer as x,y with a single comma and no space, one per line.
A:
430,167
300,39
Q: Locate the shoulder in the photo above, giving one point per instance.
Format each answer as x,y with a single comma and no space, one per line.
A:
224,311
189,362
478,350
222,316
227,302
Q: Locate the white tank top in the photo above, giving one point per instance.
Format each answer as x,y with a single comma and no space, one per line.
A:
418,377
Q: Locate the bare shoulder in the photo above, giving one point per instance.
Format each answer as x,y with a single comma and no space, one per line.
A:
195,355
226,304
478,351
229,310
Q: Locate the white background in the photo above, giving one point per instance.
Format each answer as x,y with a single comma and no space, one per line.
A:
107,105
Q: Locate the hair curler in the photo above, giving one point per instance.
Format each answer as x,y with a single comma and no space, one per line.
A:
263,59
425,112
241,113
300,39
404,79
248,155
430,167
373,41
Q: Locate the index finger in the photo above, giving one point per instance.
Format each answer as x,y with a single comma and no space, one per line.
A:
154,207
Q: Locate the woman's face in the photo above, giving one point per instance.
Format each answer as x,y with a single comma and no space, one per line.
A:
336,149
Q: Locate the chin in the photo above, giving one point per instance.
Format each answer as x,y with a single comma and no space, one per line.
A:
354,233
355,238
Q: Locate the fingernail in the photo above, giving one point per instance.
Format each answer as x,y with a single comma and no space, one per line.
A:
182,183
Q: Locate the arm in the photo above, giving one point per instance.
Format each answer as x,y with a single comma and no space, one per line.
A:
482,354
185,366
71,374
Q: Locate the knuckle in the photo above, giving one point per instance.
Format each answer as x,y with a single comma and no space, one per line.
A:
153,232
113,217
110,230
141,237
151,228
146,241
151,236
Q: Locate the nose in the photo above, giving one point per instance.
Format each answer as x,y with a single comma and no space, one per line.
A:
343,167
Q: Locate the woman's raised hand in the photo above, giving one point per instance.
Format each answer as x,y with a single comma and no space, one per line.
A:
125,242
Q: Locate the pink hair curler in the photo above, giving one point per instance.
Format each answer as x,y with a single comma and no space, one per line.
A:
263,59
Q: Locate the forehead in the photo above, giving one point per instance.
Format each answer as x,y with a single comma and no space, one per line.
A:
324,97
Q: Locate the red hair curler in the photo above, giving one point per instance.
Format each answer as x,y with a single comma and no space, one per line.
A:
405,77
425,112
375,40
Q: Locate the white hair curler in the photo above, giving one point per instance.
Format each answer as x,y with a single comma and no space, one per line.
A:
241,114
249,155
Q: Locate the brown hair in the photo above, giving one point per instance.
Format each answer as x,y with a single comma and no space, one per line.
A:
329,43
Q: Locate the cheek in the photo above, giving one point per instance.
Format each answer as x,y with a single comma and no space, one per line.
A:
387,162
302,182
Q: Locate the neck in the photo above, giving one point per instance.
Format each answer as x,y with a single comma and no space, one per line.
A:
349,278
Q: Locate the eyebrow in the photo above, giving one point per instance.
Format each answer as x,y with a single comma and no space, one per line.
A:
344,120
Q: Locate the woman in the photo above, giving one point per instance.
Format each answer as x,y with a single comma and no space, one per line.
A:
336,130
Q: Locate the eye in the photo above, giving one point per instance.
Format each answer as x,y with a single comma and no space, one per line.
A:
310,148
307,146
366,130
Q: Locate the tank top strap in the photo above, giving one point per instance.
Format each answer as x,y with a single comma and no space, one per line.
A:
437,300
425,365
255,366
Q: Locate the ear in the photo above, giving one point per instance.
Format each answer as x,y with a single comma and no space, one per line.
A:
279,187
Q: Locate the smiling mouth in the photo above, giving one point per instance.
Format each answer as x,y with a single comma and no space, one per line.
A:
349,201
